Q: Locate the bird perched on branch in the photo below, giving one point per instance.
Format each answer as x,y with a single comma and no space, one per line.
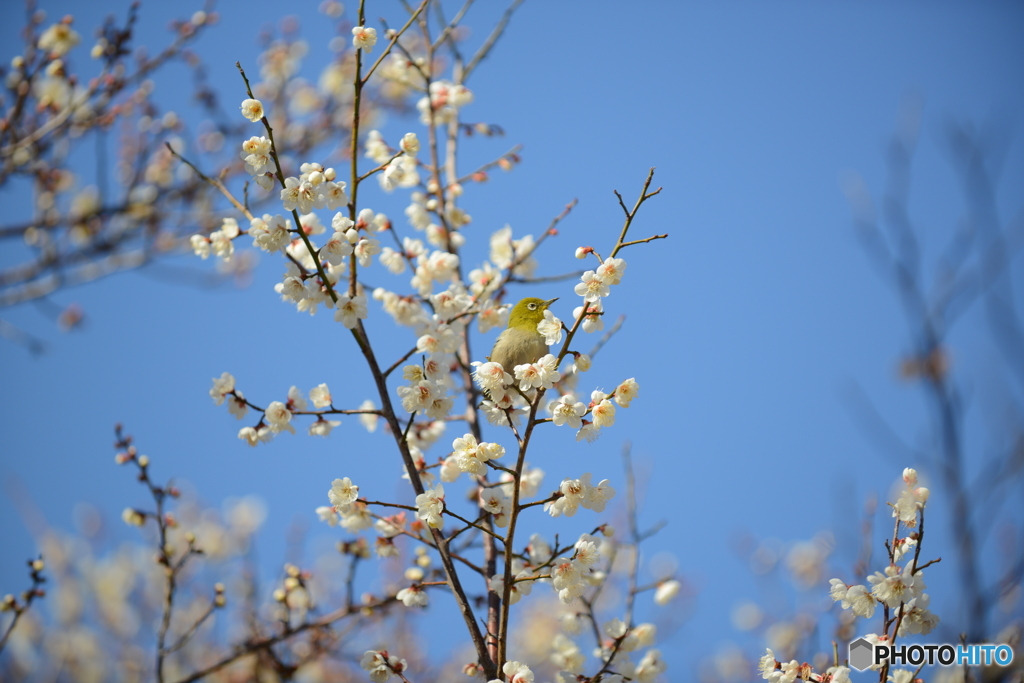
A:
521,343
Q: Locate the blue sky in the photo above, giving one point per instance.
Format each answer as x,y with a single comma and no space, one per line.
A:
748,329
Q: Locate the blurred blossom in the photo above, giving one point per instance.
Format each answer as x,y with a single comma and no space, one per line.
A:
731,663
747,616
783,637
806,560
87,519
765,556
662,564
245,515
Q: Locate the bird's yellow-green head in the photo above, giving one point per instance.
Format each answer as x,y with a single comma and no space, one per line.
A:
528,312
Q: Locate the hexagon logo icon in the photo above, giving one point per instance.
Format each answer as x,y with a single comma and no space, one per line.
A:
861,654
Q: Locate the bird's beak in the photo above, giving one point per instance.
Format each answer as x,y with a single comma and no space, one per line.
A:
550,301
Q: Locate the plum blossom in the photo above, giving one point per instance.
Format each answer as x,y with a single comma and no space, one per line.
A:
603,413
430,505
252,109
666,592
626,392
270,233
323,427
567,411
413,596
381,666
364,38
550,328
222,386
470,456
256,154
58,39
592,320
591,287
895,585
351,310
279,417
611,270
343,492
499,505
320,395
543,374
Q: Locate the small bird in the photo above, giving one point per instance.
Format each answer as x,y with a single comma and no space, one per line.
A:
521,343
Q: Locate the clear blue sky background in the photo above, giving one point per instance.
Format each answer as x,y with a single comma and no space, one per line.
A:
746,329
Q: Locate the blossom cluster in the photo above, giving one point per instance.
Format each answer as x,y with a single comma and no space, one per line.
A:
399,169
896,587
441,105
315,188
427,391
577,493
382,666
594,286
219,243
277,416
899,590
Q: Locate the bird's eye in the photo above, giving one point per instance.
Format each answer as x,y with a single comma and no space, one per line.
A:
532,307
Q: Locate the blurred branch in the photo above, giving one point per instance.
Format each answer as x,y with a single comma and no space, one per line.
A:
974,264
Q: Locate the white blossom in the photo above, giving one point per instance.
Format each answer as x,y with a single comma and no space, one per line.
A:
650,667
413,596
517,672
365,250
550,328
343,492
611,271
917,619
591,287
895,586
626,392
334,194
279,417
58,39
381,666
296,401
495,502
419,396
350,310
592,321
603,413
252,109
364,38
567,411
859,600
376,148
270,233
328,514
471,456
200,246
256,154
222,386
666,592
430,505
356,517
581,363
222,245
322,427
369,421
320,395
410,144
492,378
542,374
